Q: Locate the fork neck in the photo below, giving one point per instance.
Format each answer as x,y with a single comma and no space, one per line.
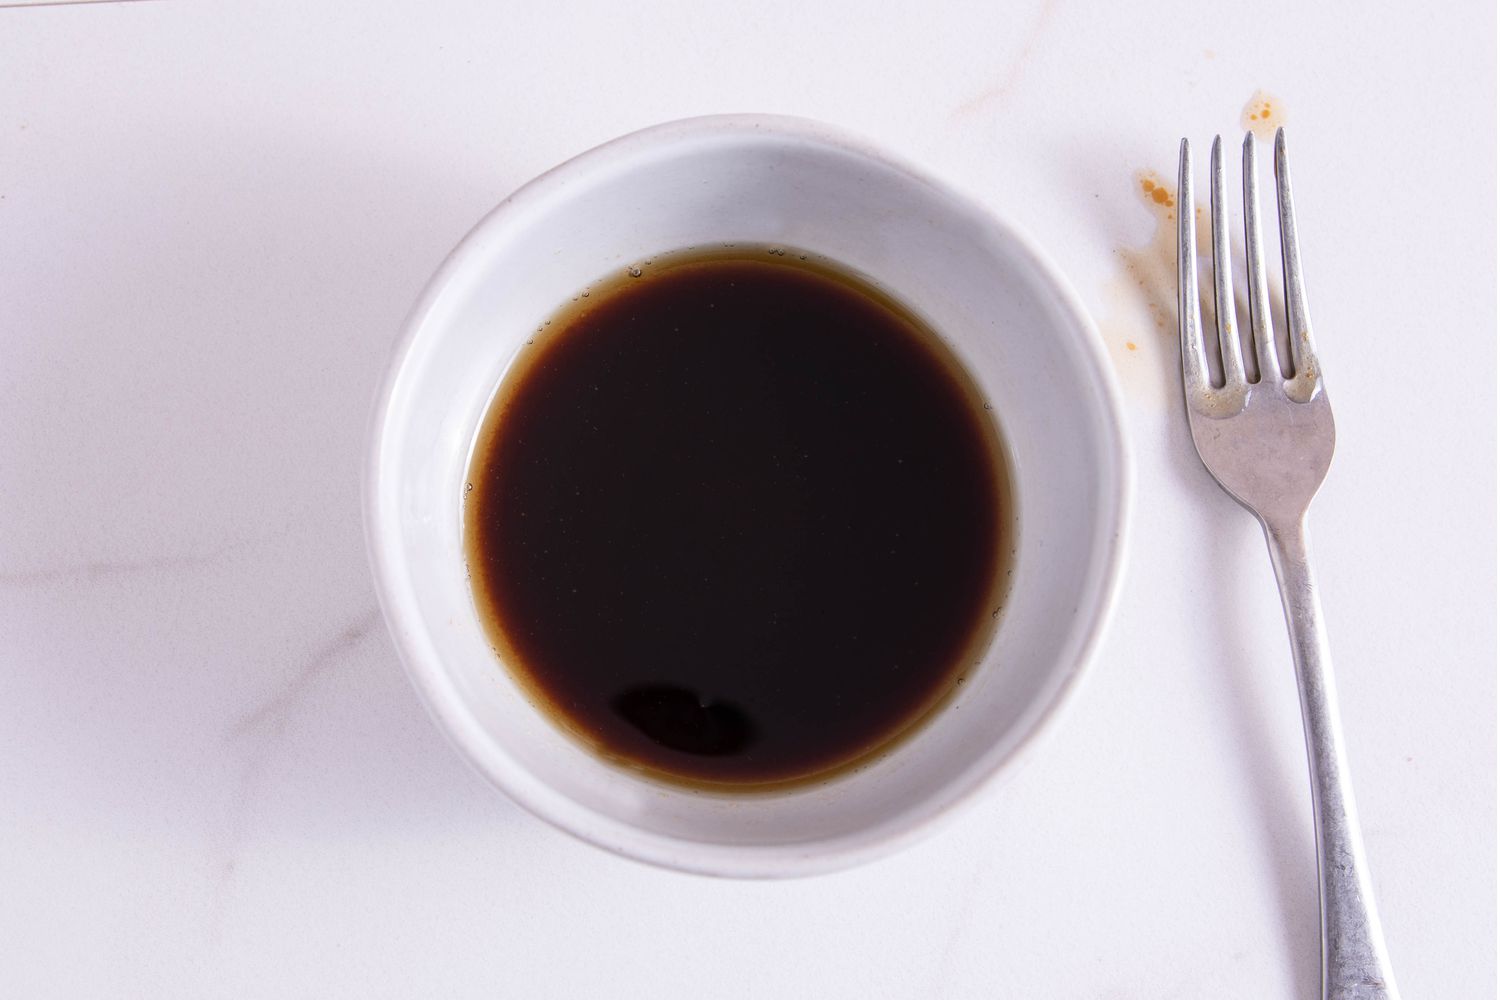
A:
1286,534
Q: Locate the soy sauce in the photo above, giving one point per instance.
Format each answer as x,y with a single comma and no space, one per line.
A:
737,519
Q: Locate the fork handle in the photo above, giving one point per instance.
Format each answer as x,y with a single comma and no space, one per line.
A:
1355,963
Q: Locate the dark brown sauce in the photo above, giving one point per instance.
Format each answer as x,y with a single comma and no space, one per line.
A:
737,519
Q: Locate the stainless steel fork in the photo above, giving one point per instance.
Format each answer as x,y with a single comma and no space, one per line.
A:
1265,431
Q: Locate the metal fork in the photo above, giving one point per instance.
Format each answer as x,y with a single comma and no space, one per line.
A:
1266,434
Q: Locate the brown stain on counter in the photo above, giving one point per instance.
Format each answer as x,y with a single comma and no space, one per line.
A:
1153,188
1139,322
1263,115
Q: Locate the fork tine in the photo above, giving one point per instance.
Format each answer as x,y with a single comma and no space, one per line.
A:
1303,359
1229,336
1255,266
1194,373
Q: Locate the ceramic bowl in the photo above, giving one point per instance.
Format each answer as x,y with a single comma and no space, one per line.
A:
1006,313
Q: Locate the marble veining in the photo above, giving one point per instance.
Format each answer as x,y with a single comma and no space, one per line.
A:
1015,69
255,735
101,570
271,715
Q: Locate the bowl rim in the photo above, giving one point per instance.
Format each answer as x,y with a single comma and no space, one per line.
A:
446,707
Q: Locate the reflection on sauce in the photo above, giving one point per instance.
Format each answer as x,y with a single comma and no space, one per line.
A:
679,719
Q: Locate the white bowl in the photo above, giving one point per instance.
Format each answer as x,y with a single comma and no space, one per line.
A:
1003,309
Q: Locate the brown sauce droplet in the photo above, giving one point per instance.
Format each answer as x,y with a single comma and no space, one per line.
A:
1263,115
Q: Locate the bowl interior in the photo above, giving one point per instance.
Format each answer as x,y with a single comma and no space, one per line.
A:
767,181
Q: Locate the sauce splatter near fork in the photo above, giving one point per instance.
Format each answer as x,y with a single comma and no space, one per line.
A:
1263,115
1138,320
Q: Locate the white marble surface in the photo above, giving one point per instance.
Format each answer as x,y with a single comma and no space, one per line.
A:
214,779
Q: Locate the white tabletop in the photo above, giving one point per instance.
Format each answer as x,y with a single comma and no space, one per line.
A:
215,779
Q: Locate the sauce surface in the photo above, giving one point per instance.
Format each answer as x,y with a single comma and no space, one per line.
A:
737,520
